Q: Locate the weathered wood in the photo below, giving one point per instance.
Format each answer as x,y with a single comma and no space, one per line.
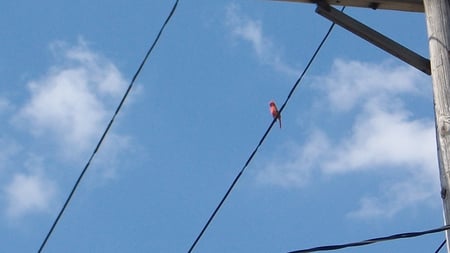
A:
437,14
400,5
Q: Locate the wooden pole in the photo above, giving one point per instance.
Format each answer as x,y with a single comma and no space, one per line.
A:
437,14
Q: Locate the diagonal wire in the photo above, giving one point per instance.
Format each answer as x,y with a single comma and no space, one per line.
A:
236,179
375,240
66,203
440,246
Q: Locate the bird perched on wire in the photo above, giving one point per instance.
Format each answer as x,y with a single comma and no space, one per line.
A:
274,111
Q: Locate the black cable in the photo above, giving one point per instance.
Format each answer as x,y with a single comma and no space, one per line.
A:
260,141
374,240
106,130
440,246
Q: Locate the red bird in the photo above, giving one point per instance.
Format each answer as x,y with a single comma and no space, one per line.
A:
274,111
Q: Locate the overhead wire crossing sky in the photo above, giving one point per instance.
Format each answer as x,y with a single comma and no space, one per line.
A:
250,158
102,138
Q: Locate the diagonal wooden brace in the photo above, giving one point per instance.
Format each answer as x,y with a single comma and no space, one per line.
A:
374,37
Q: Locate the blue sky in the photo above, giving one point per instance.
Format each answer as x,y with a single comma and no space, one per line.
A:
355,158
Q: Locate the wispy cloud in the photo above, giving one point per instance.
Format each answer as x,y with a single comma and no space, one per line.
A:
351,83
389,140
67,107
380,137
297,169
396,197
69,103
29,193
383,134
8,150
251,30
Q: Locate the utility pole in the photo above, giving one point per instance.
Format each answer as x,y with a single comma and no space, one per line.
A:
437,14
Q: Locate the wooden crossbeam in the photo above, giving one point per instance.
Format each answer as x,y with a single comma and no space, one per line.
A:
399,5
375,38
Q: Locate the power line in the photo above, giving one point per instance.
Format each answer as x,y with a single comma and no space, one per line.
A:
236,179
440,246
375,240
107,129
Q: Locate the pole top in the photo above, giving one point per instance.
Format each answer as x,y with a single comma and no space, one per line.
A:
399,5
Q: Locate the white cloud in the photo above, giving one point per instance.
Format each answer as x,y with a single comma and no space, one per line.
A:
250,30
70,103
295,172
108,159
384,136
394,198
103,73
69,107
8,149
29,194
350,83
394,143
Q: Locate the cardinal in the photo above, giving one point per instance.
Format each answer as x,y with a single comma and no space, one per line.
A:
274,111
